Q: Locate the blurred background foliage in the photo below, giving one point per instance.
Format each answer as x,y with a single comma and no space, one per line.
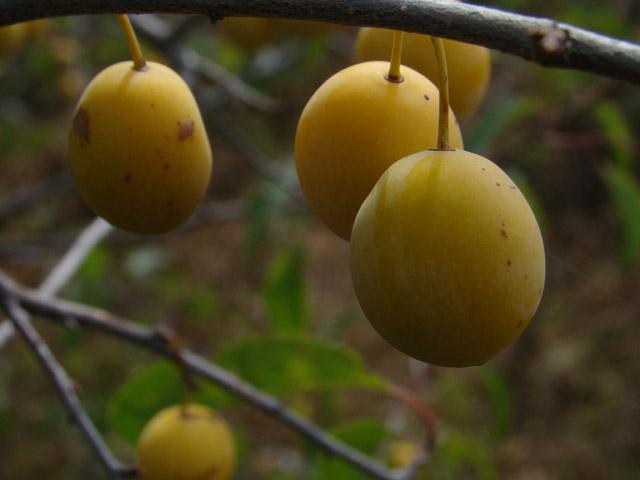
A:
258,285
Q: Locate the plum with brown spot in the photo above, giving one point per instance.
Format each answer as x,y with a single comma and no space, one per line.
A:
114,143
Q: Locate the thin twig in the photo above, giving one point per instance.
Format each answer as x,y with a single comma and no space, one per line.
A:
105,322
62,272
162,37
64,387
542,40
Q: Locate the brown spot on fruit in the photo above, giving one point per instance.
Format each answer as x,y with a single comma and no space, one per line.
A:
508,263
186,130
484,169
512,187
166,166
81,125
426,97
503,232
498,184
127,177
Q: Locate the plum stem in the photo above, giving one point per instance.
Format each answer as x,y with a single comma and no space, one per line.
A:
396,57
443,87
139,62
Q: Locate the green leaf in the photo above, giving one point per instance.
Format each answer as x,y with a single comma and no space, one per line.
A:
624,190
365,435
460,453
196,301
495,121
499,394
143,395
89,284
290,364
617,131
148,391
284,293
260,208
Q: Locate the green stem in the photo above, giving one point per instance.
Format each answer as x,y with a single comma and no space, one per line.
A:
396,57
443,87
139,62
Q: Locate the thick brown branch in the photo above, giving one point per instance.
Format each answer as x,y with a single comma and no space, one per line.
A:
537,39
103,321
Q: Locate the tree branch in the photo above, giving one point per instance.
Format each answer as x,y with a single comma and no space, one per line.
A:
541,40
64,387
62,272
160,35
100,320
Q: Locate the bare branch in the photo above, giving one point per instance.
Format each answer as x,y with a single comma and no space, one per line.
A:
541,40
160,35
100,320
64,387
62,272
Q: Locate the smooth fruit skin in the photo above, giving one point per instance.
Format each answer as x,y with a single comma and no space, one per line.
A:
186,443
138,149
356,125
469,65
447,258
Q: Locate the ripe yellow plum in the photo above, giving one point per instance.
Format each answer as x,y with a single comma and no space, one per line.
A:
138,149
469,65
186,442
353,128
447,258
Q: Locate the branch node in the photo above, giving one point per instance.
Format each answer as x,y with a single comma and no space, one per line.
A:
551,43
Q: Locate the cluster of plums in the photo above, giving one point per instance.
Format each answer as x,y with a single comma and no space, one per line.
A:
447,258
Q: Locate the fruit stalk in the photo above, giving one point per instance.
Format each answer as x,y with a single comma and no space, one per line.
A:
139,62
443,87
396,57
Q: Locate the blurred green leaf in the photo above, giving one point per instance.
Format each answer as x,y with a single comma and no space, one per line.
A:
460,454
148,391
198,301
260,208
624,191
89,285
289,364
495,121
230,56
617,131
284,292
597,15
364,434
143,395
499,394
